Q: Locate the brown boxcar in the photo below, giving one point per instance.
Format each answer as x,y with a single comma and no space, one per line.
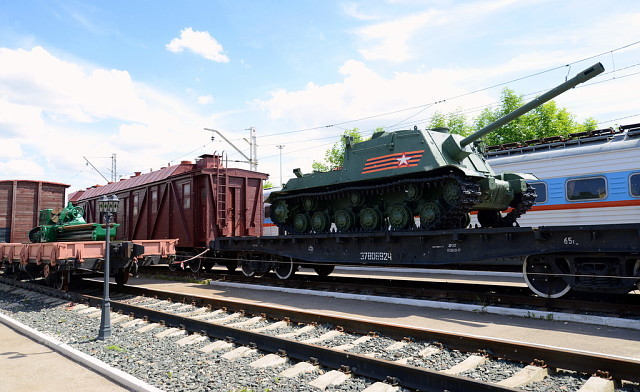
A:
195,202
20,205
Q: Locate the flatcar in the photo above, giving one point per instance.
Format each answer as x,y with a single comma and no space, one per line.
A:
588,178
194,202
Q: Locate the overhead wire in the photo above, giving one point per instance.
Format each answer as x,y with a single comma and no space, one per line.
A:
454,97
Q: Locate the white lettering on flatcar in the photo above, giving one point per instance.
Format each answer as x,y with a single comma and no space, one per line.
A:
453,248
376,256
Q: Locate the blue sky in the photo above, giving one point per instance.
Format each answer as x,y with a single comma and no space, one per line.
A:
142,79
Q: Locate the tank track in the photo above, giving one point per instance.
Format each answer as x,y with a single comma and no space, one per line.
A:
520,205
451,218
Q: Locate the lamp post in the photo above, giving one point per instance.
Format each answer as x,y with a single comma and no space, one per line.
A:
107,205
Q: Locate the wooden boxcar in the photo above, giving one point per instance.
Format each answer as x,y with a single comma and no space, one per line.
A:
194,202
20,205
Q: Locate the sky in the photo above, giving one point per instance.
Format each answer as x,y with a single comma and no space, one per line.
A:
83,80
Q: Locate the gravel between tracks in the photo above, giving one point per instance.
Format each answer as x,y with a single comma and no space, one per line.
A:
168,366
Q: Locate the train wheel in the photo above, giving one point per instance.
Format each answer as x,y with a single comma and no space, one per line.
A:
122,276
47,274
323,270
285,269
255,267
320,222
231,265
399,217
61,279
544,275
247,269
370,219
345,220
195,265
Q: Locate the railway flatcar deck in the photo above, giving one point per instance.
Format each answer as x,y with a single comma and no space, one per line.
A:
604,258
56,261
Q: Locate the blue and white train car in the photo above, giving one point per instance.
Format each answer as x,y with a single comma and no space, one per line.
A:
591,178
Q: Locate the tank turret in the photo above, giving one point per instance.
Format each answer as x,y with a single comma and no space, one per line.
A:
411,180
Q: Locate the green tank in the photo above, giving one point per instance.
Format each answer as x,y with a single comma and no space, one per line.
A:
68,224
393,178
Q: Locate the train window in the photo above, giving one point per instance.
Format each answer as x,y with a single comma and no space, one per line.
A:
592,188
186,195
135,204
634,184
154,200
541,191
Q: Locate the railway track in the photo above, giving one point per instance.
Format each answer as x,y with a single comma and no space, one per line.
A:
334,349
626,305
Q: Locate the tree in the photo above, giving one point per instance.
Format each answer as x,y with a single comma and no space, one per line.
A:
334,157
267,185
455,121
544,121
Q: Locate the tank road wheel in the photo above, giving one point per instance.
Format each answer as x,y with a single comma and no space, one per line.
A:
430,213
489,218
451,192
302,223
279,212
320,222
122,276
399,217
345,220
323,270
370,219
412,192
309,204
285,269
356,199
544,275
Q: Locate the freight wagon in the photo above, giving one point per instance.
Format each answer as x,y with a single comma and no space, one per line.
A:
20,203
194,202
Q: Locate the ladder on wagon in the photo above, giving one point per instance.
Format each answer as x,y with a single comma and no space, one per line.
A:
221,193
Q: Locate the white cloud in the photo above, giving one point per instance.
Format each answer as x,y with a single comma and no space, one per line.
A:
392,37
55,112
18,169
199,42
205,99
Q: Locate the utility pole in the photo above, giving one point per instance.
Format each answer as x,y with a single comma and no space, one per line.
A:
114,176
252,159
280,146
253,148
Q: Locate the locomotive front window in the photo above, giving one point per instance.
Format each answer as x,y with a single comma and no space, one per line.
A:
593,188
541,191
634,185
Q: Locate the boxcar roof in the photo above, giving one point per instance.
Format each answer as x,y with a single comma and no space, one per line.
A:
132,182
36,181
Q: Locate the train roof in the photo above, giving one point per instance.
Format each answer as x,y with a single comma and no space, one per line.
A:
206,161
627,136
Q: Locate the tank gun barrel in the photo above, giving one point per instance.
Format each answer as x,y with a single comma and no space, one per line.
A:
581,77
